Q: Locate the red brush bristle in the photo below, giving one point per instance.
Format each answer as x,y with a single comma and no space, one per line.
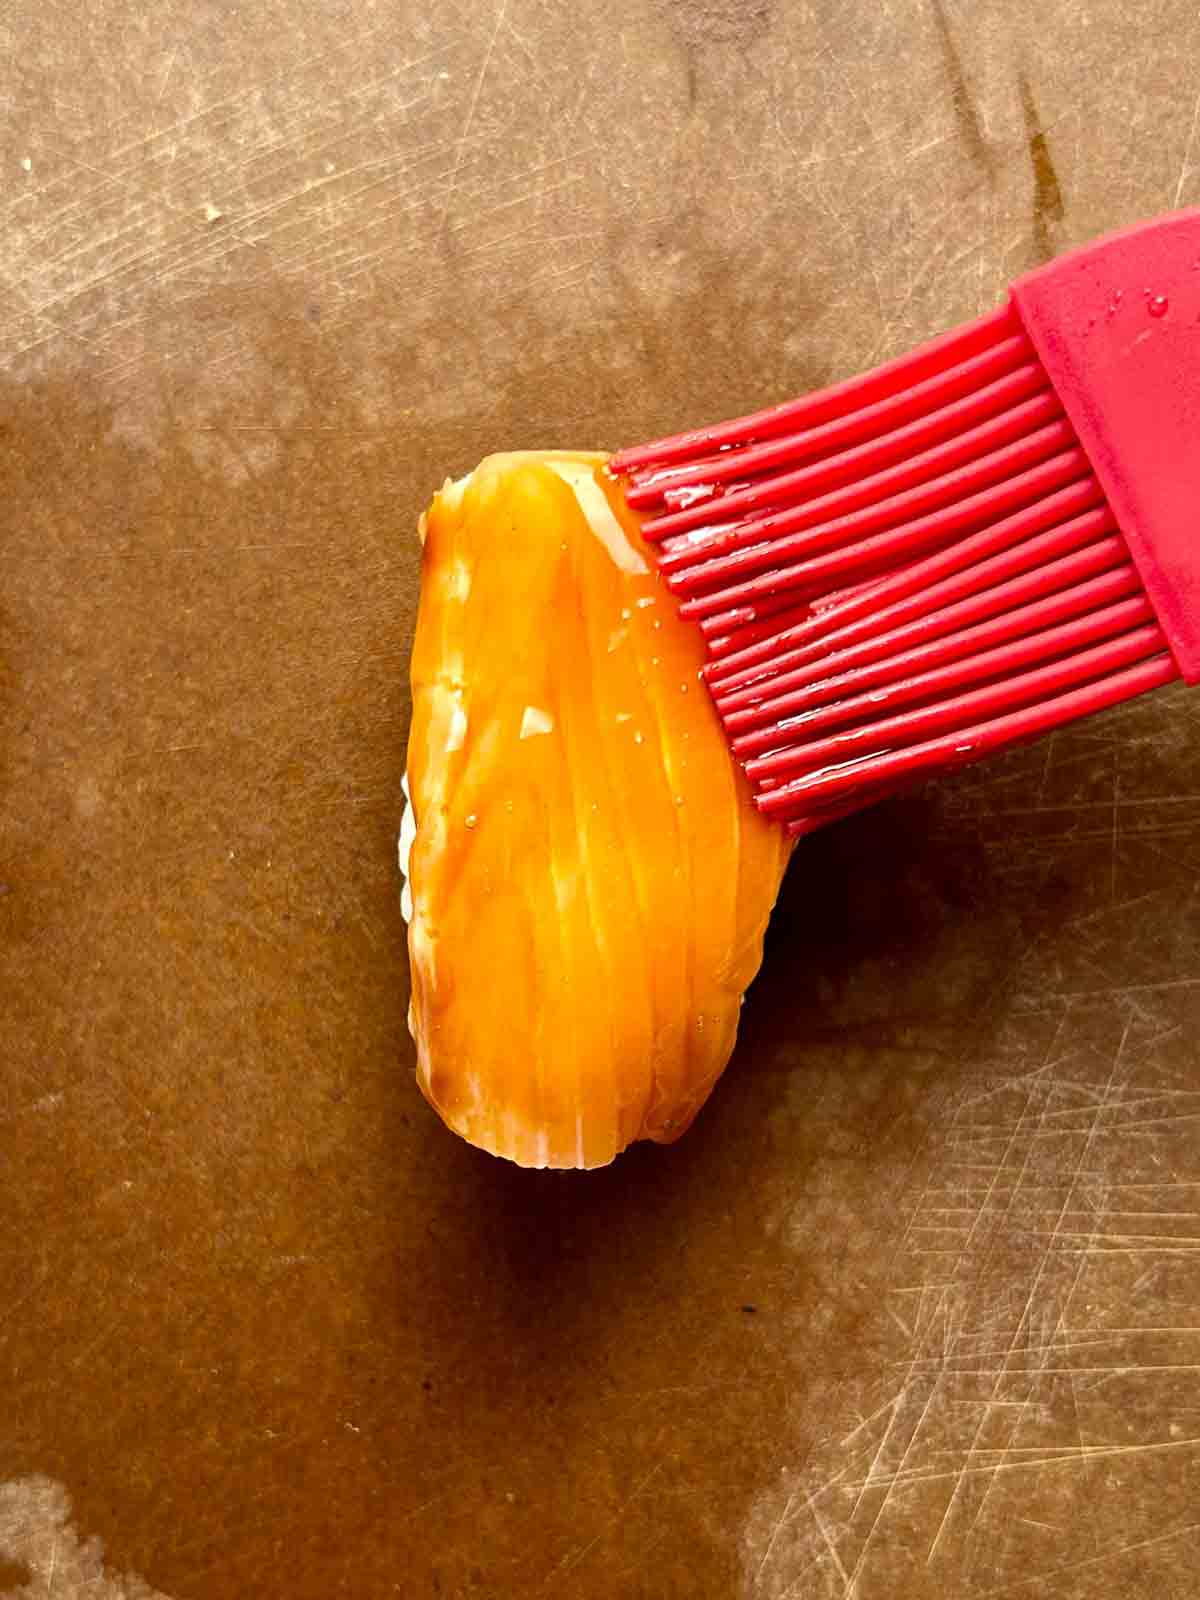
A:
797,801
879,538
900,574
1016,545
866,696
841,484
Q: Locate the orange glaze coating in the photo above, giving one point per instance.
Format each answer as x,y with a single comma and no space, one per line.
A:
590,881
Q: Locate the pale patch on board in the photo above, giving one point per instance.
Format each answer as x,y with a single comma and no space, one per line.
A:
231,424
88,797
38,1536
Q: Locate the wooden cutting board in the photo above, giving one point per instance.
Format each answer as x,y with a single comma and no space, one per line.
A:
912,1311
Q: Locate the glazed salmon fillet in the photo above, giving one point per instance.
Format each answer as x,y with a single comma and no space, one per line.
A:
588,881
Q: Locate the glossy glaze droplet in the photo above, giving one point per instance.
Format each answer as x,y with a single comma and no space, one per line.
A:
1159,306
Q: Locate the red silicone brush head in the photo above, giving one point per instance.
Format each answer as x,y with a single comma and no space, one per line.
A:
958,551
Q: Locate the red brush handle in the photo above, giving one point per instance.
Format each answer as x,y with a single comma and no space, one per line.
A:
980,541
1117,327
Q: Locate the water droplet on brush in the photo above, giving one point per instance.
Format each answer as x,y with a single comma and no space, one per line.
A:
1159,306
471,820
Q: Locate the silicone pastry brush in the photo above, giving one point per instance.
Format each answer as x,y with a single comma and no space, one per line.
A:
958,551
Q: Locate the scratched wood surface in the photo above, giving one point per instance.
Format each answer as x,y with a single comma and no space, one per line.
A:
915,1308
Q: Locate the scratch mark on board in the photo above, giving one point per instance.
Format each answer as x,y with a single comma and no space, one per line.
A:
570,1562
1185,170
471,110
